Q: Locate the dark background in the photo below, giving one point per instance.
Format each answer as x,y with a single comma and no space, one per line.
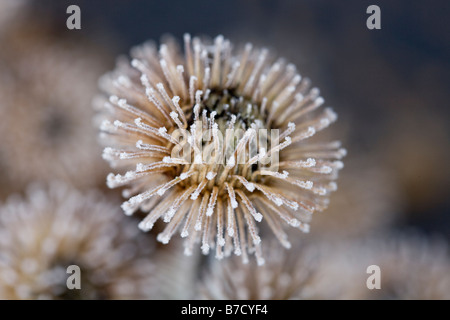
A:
390,87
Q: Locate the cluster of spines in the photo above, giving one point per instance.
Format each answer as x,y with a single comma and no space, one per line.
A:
166,106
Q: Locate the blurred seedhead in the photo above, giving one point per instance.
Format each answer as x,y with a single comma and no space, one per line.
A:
287,275
47,84
411,267
55,227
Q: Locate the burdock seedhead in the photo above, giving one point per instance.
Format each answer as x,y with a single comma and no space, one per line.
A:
215,140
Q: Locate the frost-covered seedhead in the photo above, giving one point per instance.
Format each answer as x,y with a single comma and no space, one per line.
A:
287,275
215,140
410,267
56,227
46,89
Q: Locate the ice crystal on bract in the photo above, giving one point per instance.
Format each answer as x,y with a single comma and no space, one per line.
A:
55,227
215,140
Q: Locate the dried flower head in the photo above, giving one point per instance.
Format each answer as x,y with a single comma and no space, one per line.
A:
57,227
414,268
215,140
285,276
46,87
411,267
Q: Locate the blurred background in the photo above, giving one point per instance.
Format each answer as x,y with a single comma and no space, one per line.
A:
390,88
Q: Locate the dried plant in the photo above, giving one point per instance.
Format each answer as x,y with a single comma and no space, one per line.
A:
187,127
46,87
52,228
287,275
411,267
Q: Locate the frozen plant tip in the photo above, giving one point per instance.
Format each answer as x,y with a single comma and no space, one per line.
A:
215,140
